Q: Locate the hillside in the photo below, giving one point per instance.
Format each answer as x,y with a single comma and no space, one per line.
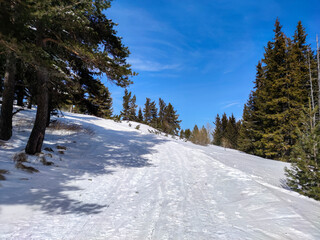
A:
112,181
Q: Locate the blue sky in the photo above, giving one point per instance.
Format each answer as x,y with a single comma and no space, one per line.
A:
201,55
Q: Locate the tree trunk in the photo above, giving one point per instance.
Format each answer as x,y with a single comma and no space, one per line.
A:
50,108
311,92
36,138
29,102
318,67
7,98
20,93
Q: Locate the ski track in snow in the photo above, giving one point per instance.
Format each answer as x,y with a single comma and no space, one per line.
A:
122,183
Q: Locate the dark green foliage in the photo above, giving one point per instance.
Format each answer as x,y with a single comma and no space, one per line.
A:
170,123
150,113
129,107
64,43
304,175
218,131
182,135
162,113
140,116
282,88
132,109
125,113
226,131
187,134
101,103
231,133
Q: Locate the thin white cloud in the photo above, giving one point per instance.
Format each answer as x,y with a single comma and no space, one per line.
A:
150,66
230,105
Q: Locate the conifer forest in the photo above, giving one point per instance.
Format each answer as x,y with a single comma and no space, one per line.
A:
61,57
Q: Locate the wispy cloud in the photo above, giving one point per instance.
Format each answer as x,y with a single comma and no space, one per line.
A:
151,66
230,105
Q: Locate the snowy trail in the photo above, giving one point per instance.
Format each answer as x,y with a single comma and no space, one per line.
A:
124,183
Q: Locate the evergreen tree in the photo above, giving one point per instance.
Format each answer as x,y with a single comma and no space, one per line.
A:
140,116
154,114
187,133
218,131
101,103
162,113
132,108
281,90
304,174
125,113
182,135
147,111
170,122
231,133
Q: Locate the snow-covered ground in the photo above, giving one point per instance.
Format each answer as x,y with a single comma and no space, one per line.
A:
116,182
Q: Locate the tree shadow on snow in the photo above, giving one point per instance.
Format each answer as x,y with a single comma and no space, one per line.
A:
85,158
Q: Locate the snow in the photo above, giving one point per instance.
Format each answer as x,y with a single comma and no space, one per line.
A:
116,182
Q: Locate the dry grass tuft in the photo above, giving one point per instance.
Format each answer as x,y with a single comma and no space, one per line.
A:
48,149
58,125
23,167
61,147
2,177
44,161
3,171
20,157
61,152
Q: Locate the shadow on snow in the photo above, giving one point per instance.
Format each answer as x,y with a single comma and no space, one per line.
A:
102,153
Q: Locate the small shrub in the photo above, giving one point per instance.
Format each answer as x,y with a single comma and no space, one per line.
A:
48,149
117,118
58,125
23,167
2,171
2,178
137,127
130,125
20,157
61,147
44,161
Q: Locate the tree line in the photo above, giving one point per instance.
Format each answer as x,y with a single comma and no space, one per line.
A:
164,119
281,119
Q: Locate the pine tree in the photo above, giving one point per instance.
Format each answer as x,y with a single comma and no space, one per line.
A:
252,127
218,131
231,133
125,113
54,35
187,133
140,116
171,124
304,174
147,111
182,135
154,115
101,104
132,109
162,112
281,90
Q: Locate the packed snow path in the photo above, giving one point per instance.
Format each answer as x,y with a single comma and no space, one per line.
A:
123,183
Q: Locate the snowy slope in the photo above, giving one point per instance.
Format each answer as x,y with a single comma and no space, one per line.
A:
116,182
